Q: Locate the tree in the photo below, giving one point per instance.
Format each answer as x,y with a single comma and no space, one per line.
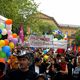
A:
42,27
18,10
77,37
46,27
23,11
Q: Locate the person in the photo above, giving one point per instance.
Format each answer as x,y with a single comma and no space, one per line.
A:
41,77
23,73
62,73
71,67
3,75
76,71
13,62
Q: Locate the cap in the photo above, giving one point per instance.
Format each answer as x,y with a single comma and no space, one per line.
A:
23,54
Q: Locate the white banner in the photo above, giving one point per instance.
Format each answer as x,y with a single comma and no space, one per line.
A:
41,41
60,44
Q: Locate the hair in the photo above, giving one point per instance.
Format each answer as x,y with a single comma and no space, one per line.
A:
41,76
2,66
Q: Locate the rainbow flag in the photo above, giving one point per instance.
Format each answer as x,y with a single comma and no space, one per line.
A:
21,34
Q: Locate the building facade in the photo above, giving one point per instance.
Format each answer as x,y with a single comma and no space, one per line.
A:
70,30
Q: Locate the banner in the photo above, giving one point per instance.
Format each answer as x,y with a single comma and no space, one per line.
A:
60,44
41,41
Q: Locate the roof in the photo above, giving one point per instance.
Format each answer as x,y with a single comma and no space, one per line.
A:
61,25
49,17
69,25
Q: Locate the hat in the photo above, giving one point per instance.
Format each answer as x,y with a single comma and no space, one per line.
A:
23,54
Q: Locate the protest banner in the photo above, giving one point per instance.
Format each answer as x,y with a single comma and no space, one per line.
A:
60,44
41,41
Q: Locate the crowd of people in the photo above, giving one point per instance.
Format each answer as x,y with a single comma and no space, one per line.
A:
35,64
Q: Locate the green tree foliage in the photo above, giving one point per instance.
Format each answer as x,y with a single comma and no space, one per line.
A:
59,36
46,27
42,27
77,37
23,11
18,10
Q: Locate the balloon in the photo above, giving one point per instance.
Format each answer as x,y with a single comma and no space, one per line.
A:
8,54
9,32
9,27
10,37
15,40
14,35
46,57
6,49
2,54
55,39
9,21
59,32
0,31
0,49
2,60
4,32
0,36
45,51
11,44
2,26
2,43
65,38
6,41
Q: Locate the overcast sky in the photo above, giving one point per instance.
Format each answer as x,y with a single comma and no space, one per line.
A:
64,11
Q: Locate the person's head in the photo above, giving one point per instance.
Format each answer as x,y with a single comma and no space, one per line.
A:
24,59
13,62
2,66
38,61
41,77
50,52
52,60
62,59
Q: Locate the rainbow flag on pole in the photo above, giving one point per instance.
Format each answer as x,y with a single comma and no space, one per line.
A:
21,34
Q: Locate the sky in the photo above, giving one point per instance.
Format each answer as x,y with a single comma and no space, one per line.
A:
63,11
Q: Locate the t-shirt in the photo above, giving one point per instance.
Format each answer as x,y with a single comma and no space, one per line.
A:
36,69
20,75
63,66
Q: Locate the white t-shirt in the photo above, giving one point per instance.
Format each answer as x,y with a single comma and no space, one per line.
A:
36,69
